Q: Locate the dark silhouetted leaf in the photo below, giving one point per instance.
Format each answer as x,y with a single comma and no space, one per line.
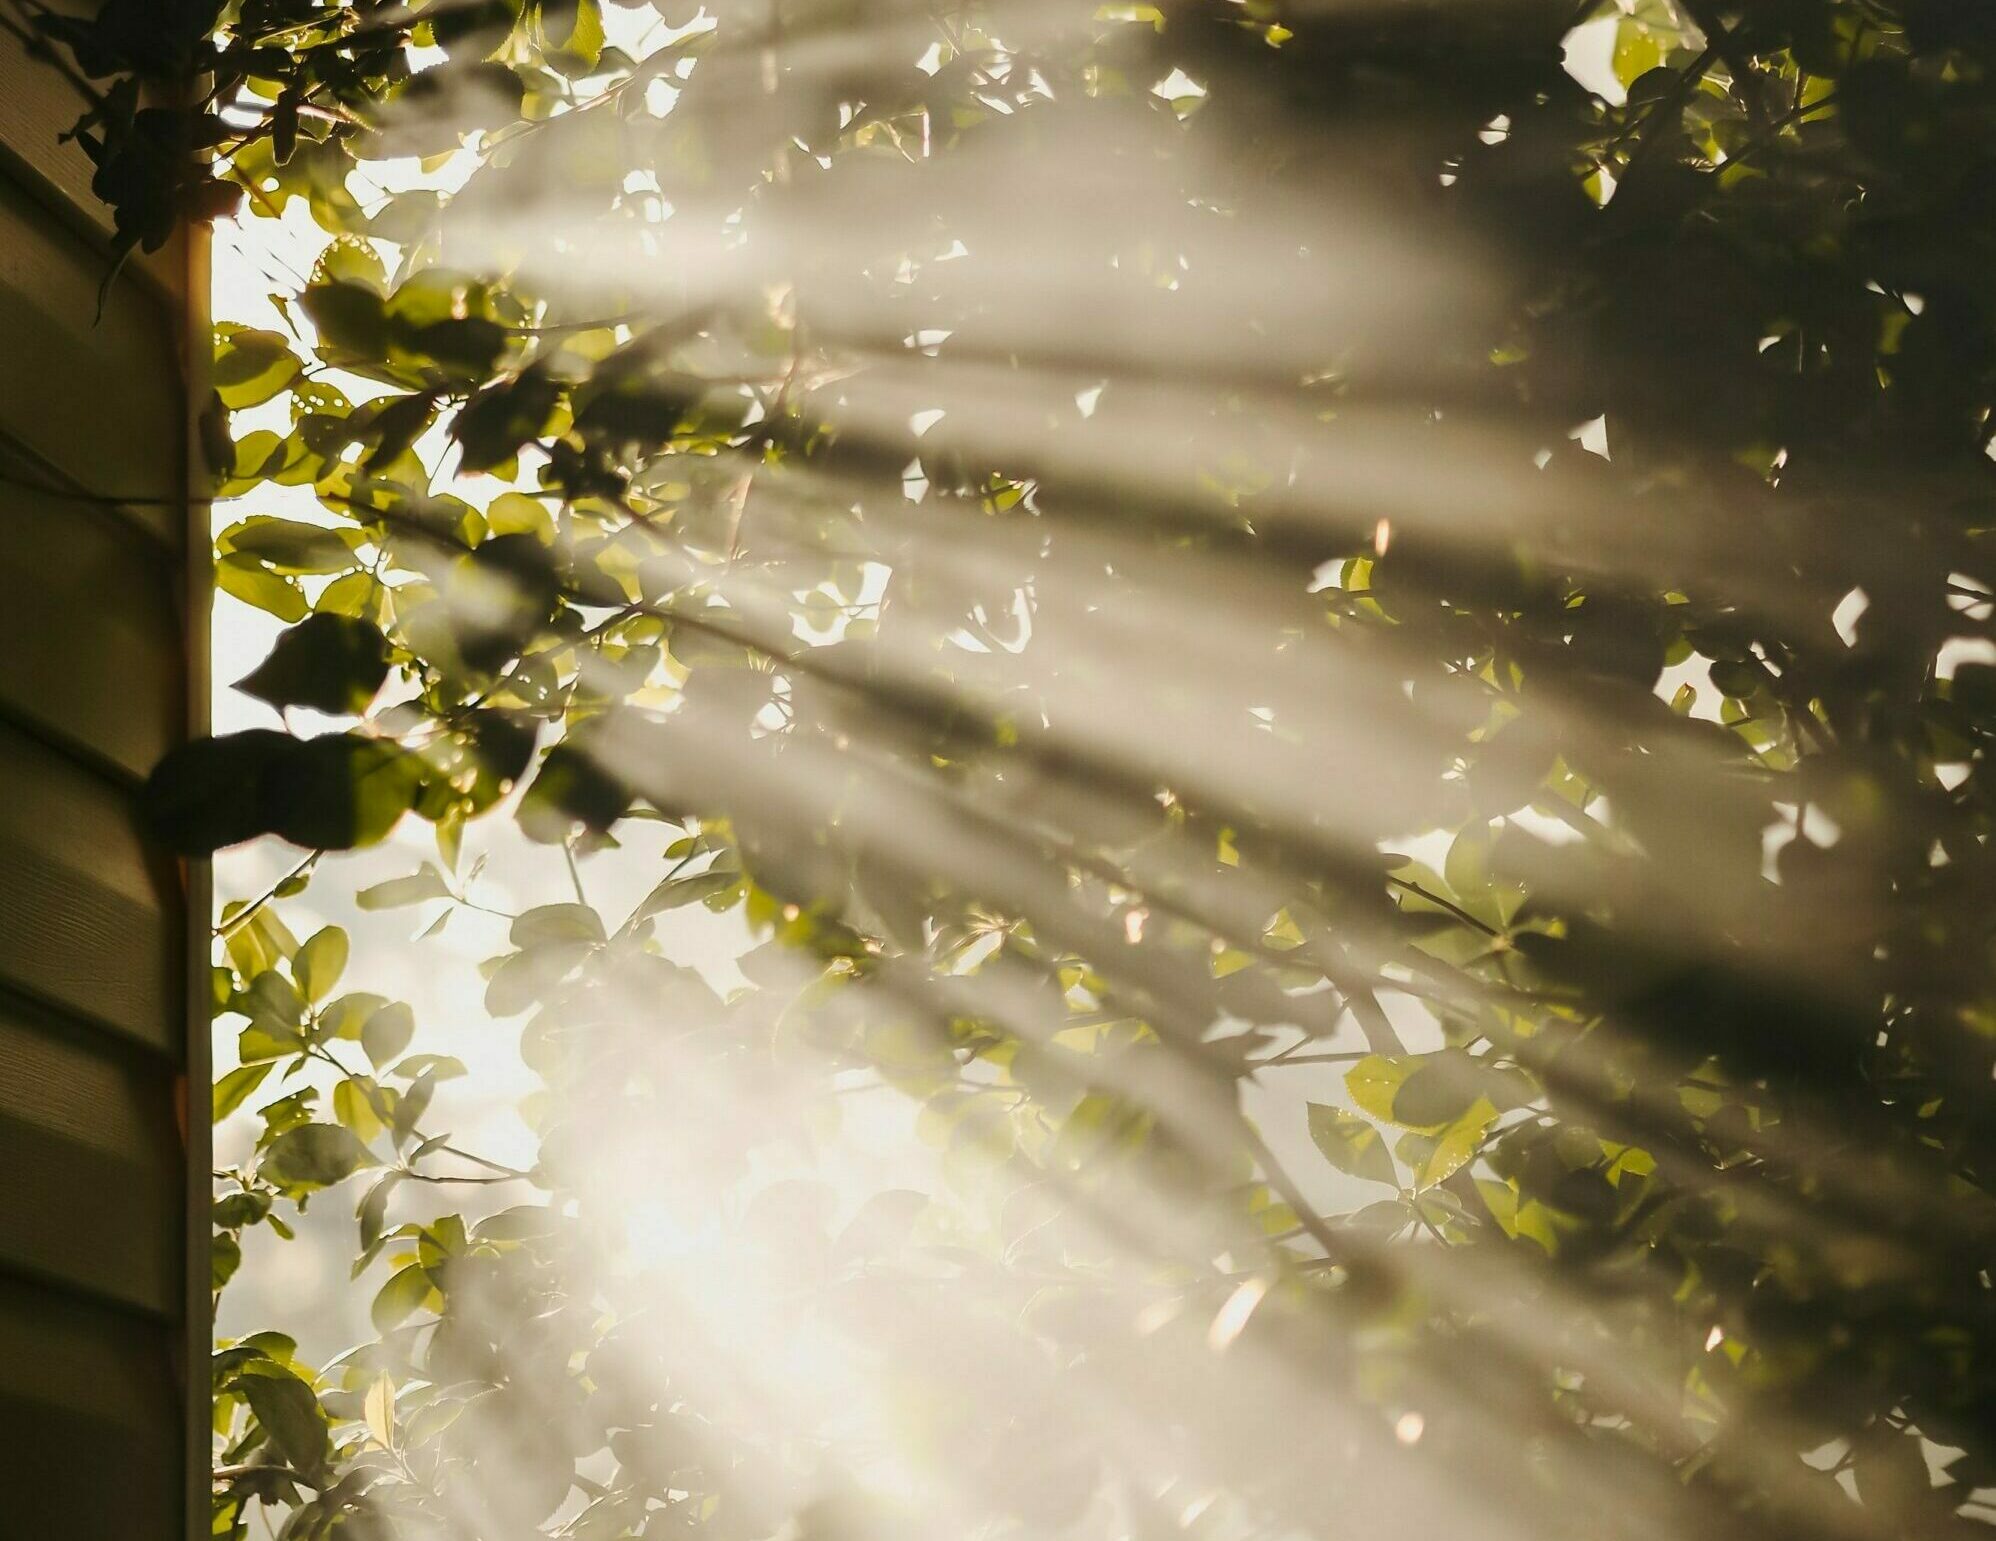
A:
331,663
314,1156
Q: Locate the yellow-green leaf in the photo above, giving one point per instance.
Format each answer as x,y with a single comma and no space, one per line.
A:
1350,1144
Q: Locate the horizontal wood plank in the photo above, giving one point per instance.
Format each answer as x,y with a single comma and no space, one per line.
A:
90,634
98,398
38,103
90,1144
90,921
90,1421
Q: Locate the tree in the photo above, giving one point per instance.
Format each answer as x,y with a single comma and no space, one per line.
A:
1067,497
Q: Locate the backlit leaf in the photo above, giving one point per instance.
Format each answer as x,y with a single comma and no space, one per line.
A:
1350,1144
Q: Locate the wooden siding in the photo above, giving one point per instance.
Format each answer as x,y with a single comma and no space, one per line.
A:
97,663
103,1291
91,1151
86,1394
32,98
90,922
96,398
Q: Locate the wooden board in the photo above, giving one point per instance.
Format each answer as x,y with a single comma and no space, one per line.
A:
90,1424
90,922
90,628
104,1330
35,98
96,398
89,1142
37,104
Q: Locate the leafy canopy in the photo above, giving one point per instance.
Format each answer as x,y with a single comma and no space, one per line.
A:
1144,548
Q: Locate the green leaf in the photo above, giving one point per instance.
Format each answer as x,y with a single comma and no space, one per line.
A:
273,999
514,513
1374,1080
314,1156
573,30
340,791
1457,1145
210,793
351,318
251,366
320,962
414,1103
255,456
345,1017
466,347
671,893
331,663
290,1415
289,1113
572,786
1425,1092
259,943
437,1067
554,923
354,1106
372,1212
1637,51
392,424
225,1256
524,977
257,586
349,259
264,1041
1501,1199
233,1211
418,888
489,431
388,1032
1351,1144
288,545
399,1299
523,1222
233,1089
356,593
503,744
1438,1092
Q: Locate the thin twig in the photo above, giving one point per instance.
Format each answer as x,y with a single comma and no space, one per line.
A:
243,917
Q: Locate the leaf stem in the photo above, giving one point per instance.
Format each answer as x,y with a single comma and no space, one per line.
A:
244,916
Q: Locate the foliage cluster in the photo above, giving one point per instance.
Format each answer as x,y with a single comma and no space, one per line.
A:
971,723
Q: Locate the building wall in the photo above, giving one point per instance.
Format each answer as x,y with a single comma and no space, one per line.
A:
103,1201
